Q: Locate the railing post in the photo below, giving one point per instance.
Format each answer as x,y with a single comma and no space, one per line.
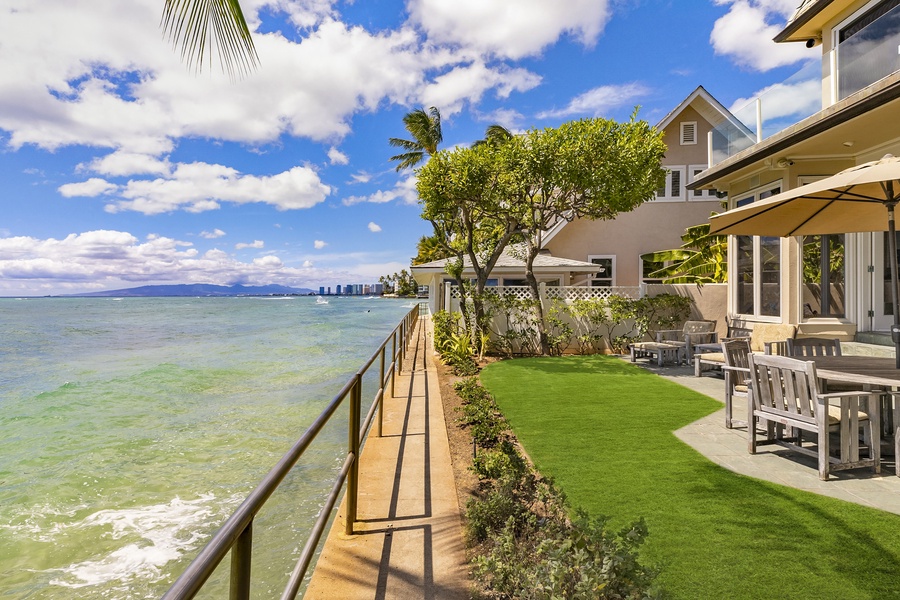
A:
393,361
353,448
241,553
381,387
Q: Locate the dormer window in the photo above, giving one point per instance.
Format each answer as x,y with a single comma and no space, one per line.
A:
688,133
867,47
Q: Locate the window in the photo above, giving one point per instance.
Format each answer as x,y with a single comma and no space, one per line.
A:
606,273
648,267
515,282
867,47
688,133
823,276
757,270
674,190
695,170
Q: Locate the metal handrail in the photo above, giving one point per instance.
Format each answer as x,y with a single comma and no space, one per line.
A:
236,534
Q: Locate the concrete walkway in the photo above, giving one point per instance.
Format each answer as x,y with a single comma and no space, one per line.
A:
408,542
728,448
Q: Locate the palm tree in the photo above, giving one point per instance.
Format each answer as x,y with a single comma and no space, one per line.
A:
198,25
425,128
495,135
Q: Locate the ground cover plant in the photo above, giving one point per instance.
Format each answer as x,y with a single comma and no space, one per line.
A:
603,430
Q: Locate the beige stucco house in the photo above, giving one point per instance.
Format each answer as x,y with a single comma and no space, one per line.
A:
615,247
781,279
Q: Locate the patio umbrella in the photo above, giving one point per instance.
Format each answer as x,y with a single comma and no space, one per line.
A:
861,198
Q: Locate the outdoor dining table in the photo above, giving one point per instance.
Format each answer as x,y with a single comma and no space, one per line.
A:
868,372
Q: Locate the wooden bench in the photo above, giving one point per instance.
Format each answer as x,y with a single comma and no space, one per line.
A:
785,397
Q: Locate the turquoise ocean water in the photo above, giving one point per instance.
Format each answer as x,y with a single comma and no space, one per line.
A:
131,428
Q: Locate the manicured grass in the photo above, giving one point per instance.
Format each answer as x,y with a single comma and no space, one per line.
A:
603,428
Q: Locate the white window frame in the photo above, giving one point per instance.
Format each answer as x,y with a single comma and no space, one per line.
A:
612,280
695,195
684,125
756,316
644,280
669,196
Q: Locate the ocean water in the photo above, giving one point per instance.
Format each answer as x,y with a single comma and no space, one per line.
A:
131,428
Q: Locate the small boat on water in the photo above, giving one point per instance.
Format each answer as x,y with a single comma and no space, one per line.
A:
321,300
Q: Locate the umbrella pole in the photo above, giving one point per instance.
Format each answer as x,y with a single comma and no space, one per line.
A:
892,248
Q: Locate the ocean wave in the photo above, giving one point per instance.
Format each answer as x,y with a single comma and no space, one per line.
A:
156,535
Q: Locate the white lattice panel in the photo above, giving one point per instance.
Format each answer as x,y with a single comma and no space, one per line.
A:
567,293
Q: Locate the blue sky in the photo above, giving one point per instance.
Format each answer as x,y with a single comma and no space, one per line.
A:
122,167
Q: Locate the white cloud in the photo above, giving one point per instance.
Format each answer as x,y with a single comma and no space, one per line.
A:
599,101
92,187
374,227
122,164
337,157
361,177
404,191
785,99
507,117
307,264
106,259
199,187
255,244
509,29
319,244
470,82
211,235
745,34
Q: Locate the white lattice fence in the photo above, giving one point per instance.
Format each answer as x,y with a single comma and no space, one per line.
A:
567,293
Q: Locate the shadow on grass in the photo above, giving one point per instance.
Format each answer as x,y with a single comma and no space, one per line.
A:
602,429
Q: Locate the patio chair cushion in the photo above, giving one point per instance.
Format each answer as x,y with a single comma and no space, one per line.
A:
713,357
834,415
769,332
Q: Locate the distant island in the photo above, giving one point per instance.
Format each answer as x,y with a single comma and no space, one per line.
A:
198,289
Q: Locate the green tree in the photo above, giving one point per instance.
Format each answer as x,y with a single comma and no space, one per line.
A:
703,258
425,128
464,195
198,26
586,169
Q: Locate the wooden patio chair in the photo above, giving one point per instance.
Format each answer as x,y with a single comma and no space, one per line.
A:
737,376
690,335
814,347
785,394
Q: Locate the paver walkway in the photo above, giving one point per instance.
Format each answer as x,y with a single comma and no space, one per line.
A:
408,542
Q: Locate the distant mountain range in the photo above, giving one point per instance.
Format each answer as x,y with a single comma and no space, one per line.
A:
198,289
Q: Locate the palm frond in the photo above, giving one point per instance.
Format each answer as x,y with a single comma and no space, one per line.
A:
408,159
196,26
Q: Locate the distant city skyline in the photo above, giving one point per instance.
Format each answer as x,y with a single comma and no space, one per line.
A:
124,167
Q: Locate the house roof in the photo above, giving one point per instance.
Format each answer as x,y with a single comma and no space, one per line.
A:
864,120
507,262
809,19
707,107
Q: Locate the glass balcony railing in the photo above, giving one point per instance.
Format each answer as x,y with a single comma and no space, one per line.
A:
772,110
868,52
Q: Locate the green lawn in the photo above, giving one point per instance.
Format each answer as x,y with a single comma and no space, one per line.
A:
602,429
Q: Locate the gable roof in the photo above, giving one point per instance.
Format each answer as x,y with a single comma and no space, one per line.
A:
708,107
